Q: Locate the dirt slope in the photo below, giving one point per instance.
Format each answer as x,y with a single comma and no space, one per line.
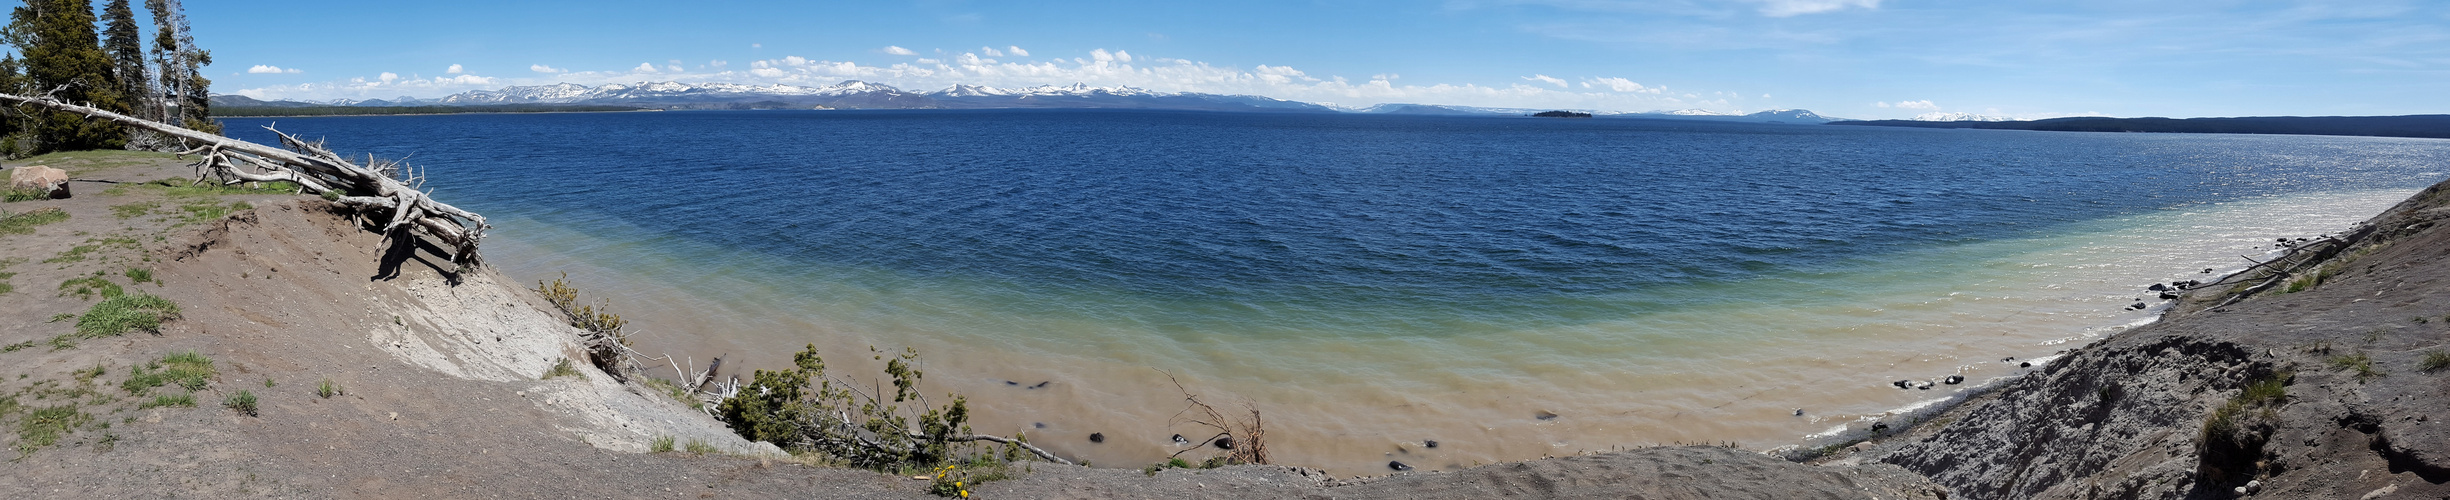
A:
2127,417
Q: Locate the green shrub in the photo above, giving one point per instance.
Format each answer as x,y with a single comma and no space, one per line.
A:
327,389
803,410
244,402
117,315
139,274
563,368
697,447
662,444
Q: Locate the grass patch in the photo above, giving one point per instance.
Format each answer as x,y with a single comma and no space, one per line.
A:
182,400
189,188
209,210
17,346
5,287
118,315
17,194
44,426
243,401
89,286
188,369
662,444
24,222
696,447
134,210
77,253
139,275
2234,434
674,389
2434,360
2359,363
563,369
327,389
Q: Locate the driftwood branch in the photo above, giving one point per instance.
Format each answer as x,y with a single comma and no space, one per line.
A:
1245,441
375,186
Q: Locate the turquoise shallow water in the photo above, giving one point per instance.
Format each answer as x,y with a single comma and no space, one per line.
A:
1372,282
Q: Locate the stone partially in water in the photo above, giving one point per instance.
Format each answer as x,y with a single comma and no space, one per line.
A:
1097,437
1545,415
1398,466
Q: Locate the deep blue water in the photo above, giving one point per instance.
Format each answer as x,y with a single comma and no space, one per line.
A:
1305,215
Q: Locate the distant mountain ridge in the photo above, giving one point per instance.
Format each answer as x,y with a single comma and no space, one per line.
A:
851,94
2424,126
855,94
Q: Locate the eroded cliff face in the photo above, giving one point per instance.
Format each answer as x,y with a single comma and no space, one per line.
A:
2347,407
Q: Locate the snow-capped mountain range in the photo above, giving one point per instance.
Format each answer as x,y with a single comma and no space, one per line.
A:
1954,116
856,94
852,94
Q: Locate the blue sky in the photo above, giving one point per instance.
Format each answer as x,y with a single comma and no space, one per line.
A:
1847,58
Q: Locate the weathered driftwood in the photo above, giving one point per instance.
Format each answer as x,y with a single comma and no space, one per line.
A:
377,187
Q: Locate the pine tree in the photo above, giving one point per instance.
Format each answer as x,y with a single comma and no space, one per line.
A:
186,92
127,49
12,80
65,60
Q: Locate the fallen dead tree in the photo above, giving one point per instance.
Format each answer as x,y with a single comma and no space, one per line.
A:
386,191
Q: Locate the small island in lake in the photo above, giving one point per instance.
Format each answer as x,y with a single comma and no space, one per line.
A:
1561,114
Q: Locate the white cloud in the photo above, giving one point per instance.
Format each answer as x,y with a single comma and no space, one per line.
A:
388,77
1016,51
1785,8
1619,85
757,45
991,52
464,80
1101,67
899,51
266,69
1922,104
1559,82
455,69
674,67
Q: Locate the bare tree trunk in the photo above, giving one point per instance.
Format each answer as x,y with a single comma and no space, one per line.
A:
376,187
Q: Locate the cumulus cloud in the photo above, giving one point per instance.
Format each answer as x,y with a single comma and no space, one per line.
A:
1786,8
455,69
990,52
268,69
1016,51
388,77
1100,67
1922,104
899,51
1559,82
